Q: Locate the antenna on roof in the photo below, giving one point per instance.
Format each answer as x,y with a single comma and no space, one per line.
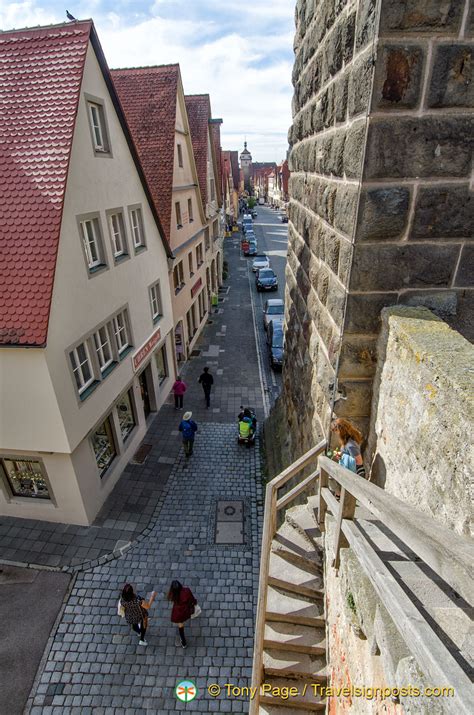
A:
70,17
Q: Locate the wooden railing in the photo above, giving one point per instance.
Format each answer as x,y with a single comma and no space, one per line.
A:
273,505
449,555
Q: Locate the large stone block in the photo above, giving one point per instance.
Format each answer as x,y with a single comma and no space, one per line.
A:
341,97
348,36
383,267
398,74
383,213
419,147
363,311
366,17
345,260
358,356
417,16
335,301
443,212
334,49
358,397
345,208
360,85
354,149
451,78
465,272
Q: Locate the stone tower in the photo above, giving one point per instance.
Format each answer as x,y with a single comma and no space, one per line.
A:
381,207
246,165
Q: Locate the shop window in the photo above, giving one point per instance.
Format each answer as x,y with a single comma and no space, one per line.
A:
103,444
125,415
161,364
25,477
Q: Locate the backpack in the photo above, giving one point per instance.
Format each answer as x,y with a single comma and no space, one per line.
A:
188,432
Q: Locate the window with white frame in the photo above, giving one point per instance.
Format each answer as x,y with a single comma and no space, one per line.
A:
190,210
81,366
25,477
136,223
155,300
117,233
199,258
121,332
103,348
99,131
180,156
179,221
91,239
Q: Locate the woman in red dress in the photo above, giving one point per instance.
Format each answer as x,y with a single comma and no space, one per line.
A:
184,604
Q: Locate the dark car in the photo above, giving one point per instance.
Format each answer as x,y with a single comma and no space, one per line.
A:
283,218
251,249
266,280
275,338
253,213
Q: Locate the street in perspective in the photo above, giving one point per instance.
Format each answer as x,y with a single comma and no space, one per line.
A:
236,385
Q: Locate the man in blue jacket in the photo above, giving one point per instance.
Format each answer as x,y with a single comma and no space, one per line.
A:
188,428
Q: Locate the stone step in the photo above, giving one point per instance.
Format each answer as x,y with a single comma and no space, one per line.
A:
306,699
301,666
288,604
294,547
287,571
295,638
305,523
313,593
318,622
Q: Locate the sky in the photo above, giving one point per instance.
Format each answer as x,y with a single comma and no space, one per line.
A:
241,53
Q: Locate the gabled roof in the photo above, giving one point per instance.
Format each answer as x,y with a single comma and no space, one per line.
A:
198,107
41,71
149,98
215,125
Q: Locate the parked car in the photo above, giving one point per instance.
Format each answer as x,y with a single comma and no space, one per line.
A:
250,249
274,309
266,280
247,226
261,261
250,236
275,341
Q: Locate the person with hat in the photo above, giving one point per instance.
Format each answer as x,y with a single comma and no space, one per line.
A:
188,428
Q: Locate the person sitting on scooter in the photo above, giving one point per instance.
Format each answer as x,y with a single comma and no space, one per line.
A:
249,415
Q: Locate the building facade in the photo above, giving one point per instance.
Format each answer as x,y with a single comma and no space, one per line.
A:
86,351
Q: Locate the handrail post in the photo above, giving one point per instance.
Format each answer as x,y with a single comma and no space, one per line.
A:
322,506
346,511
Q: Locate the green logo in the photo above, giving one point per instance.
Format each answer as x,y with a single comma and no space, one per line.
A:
186,691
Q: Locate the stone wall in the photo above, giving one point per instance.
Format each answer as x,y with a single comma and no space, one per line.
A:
380,199
420,441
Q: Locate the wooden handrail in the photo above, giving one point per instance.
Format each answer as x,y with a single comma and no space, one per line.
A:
269,528
449,554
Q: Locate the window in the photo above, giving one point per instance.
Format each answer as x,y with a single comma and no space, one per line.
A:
125,415
161,364
207,239
92,242
202,305
117,232
190,210
213,189
191,321
25,477
179,222
81,367
99,133
136,223
199,258
215,229
103,348
120,326
180,156
190,262
178,277
103,444
155,300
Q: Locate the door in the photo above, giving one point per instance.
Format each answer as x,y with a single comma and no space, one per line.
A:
144,393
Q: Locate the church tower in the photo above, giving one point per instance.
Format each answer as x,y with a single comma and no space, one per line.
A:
245,166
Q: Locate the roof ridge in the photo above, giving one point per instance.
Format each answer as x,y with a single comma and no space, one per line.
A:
35,28
144,67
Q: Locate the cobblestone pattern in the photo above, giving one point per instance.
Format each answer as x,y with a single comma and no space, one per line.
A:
95,664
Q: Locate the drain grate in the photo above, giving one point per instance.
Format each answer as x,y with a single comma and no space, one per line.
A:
142,453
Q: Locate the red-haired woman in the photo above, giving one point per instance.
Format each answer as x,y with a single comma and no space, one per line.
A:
350,440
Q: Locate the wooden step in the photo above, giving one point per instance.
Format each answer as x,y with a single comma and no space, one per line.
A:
295,548
306,700
313,593
301,519
301,666
296,638
288,604
293,573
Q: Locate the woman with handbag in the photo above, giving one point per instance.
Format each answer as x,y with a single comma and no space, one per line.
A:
135,610
350,440
185,606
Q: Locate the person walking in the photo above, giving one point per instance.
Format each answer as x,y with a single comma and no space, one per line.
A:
207,382
184,604
179,388
135,610
188,428
350,440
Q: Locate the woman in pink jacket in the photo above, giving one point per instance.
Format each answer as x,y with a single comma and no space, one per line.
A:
179,388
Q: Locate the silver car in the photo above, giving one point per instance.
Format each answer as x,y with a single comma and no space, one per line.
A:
274,309
260,262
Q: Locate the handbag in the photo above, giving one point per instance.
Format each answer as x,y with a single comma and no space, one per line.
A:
197,611
120,609
348,462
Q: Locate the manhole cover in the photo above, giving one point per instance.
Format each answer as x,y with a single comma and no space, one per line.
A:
230,522
142,453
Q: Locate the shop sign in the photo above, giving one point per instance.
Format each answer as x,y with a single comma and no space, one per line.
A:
196,287
146,349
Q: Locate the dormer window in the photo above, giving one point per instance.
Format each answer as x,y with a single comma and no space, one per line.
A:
98,127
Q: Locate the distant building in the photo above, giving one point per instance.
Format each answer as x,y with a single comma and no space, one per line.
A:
245,169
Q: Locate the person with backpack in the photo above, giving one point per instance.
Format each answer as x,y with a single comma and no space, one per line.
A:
179,388
135,609
207,381
184,605
350,440
188,428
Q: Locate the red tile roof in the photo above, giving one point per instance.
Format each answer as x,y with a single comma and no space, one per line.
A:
198,107
149,99
40,76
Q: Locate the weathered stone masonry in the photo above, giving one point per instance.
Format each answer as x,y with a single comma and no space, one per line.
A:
381,201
